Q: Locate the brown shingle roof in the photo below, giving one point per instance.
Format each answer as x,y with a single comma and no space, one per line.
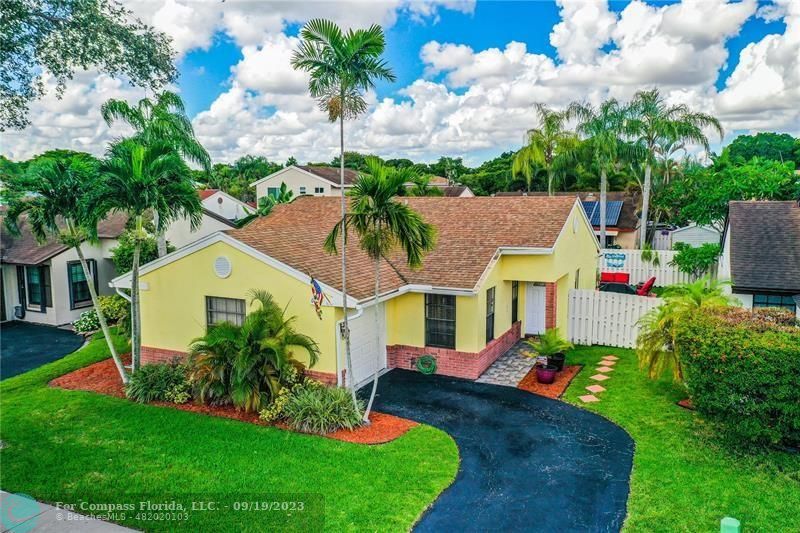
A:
470,230
205,193
628,217
765,245
23,249
331,174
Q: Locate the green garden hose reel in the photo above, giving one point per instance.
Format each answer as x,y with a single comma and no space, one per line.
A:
426,364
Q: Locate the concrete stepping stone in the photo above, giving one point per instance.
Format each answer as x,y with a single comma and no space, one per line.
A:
595,388
608,362
588,398
599,377
611,358
604,369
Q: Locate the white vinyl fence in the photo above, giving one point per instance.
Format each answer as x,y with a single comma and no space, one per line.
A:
606,318
630,261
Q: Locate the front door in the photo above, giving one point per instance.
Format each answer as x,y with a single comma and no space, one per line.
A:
534,309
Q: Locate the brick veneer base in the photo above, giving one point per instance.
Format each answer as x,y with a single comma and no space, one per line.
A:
328,378
550,305
467,365
152,355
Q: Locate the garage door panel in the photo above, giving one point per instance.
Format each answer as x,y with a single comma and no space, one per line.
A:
367,350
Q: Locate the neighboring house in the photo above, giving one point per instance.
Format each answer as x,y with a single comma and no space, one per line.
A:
622,220
457,191
761,253
305,180
502,268
44,283
692,235
223,204
180,232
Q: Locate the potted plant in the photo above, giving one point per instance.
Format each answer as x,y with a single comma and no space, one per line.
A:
546,374
552,345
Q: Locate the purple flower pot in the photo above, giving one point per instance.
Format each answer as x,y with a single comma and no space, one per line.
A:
546,374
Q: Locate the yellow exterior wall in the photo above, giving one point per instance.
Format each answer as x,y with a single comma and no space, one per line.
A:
405,320
174,307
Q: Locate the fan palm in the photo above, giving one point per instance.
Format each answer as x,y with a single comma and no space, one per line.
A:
602,127
341,66
550,147
137,178
244,365
655,345
382,224
650,122
54,202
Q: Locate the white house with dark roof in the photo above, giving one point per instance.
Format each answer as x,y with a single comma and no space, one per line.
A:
223,204
761,253
305,180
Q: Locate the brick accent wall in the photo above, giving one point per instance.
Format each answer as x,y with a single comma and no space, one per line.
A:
452,362
152,355
550,305
328,378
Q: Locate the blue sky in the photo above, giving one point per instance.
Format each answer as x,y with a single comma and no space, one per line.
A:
468,73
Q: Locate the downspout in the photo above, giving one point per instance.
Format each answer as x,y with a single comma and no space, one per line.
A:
339,323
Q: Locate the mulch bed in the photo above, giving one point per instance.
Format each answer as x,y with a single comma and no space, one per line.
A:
103,378
553,390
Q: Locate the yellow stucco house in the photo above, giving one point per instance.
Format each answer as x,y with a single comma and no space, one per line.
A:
502,268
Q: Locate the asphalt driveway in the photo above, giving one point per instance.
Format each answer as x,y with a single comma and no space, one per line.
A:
25,346
528,463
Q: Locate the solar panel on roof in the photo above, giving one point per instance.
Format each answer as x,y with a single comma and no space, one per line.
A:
613,209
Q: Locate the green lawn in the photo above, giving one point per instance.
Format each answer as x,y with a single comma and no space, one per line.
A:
683,478
71,446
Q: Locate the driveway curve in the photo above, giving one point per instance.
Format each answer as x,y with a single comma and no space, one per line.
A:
528,463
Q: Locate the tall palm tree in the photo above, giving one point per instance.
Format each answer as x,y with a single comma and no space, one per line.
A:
650,122
655,345
382,224
550,147
602,127
244,365
342,66
162,121
55,204
137,178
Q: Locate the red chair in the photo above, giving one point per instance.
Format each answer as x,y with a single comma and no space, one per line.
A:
646,287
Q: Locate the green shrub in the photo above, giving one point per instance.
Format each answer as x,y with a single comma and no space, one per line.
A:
164,382
87,322
276,409
315,408
114,307
742,371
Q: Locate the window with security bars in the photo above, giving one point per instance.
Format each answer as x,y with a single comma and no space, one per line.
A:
219,310
490,314
440,320
775,300
514,301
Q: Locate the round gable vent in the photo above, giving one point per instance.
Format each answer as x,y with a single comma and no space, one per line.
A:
222,267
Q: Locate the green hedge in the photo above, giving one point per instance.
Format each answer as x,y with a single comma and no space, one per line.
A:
743,372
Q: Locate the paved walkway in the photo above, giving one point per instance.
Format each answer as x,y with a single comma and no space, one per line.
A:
509,368
528,463
20,514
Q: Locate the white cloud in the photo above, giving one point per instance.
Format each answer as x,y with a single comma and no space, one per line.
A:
585,27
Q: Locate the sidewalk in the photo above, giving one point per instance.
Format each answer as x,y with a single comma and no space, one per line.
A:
20,514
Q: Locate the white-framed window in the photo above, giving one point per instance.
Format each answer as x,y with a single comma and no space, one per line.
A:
273,192
302,190
220,310
319,190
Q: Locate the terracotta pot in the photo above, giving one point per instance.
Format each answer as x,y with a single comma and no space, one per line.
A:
546,374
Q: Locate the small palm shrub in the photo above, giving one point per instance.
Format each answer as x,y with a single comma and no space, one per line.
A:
655,346
164,382
315,408
247,365
550,343
87,322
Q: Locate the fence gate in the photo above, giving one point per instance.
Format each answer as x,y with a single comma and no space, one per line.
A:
606,318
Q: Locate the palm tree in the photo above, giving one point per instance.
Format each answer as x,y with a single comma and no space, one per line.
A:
655,346
550,147
55,204
164,121
421,186
138,178
650,122
382,223
245,365
342,66
602,127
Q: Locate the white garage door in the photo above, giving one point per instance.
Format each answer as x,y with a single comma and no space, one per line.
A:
367,351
